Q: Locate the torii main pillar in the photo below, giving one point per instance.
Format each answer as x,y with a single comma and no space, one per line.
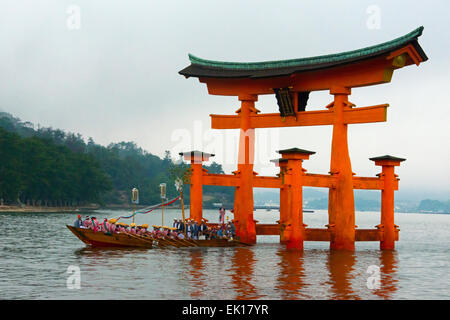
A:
243,204
341,203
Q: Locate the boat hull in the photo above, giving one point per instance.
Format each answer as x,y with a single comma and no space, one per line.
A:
100,239
218,243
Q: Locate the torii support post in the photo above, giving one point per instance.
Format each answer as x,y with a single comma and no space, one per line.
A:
296,174
387,199
285,201
196,187
243,203
341,203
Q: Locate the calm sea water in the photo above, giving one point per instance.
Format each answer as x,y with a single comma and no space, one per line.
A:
37,249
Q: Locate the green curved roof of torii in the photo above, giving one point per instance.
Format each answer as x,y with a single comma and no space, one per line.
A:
222,69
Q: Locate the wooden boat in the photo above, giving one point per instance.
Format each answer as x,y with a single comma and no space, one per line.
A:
101,239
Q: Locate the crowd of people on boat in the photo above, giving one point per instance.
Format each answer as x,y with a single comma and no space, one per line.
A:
187,229
197,231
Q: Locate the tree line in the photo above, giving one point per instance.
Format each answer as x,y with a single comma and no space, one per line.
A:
46,166
38,172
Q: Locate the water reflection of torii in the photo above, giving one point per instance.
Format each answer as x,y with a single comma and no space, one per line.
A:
291,275
292,278
341,266
242,273
243,266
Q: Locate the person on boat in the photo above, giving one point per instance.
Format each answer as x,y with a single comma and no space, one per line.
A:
123,227
87,222
188,228
202,228
180,235
94,224
144,230
232,229
191,229
166,232
105,226
212,234
173,234
226,230
181,225
100,227
112,226
221,215
220,233
208,232
175,223
139,230
133,228
78,223
195,230
157,232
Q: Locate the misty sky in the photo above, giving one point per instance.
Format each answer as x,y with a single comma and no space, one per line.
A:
116,77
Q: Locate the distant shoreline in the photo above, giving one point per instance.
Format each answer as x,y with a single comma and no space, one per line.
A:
44,209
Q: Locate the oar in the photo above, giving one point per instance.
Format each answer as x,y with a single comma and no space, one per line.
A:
185,242
164,242
192,242
161,243
172,242
140,238
149,236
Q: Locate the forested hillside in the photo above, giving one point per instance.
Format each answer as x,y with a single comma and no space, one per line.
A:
45,166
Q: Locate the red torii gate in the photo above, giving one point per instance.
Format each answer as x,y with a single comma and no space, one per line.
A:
292,81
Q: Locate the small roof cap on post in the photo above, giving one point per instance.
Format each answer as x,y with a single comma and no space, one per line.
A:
295,153
295,150
387,160
196,156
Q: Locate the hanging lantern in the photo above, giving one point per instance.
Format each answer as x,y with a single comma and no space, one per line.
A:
135,195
